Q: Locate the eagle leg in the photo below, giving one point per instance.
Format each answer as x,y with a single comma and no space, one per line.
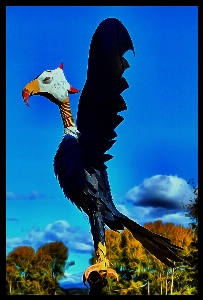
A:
96,274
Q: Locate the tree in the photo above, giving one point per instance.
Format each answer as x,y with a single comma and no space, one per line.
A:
12,277
19,261
172,280
59,254
191,210
30,272
137,267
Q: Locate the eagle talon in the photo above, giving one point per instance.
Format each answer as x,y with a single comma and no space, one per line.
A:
111,272
94,274
97,273
89,270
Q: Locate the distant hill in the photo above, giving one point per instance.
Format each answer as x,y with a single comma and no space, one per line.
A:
69,285
74,288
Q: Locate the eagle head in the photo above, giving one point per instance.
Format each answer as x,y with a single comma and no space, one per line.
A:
51,84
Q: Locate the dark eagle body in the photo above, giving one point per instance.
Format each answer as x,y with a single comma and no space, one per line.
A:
80,166
79,163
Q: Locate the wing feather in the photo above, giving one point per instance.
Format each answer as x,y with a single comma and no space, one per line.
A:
100,100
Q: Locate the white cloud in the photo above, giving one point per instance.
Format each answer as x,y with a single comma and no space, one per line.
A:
178,219
72,278
131,212
160,197
77,240
161,191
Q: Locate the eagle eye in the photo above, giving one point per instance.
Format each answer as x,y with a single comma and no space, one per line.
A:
46,79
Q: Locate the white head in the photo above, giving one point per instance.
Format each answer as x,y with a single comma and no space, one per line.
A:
52,84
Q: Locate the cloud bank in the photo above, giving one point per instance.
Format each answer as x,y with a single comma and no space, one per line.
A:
77,240
159,197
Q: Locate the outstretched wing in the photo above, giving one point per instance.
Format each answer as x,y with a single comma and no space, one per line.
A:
101,98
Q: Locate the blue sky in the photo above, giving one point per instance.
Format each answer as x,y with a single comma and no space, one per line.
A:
156,149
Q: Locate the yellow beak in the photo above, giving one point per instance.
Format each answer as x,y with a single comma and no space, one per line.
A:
30,89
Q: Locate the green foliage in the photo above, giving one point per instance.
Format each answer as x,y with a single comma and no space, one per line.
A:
30,272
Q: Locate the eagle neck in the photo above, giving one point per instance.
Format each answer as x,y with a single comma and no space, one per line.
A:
66,115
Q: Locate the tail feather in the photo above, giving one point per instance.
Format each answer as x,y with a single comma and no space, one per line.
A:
160,246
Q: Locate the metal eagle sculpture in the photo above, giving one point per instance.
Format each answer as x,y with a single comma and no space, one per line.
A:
79,163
